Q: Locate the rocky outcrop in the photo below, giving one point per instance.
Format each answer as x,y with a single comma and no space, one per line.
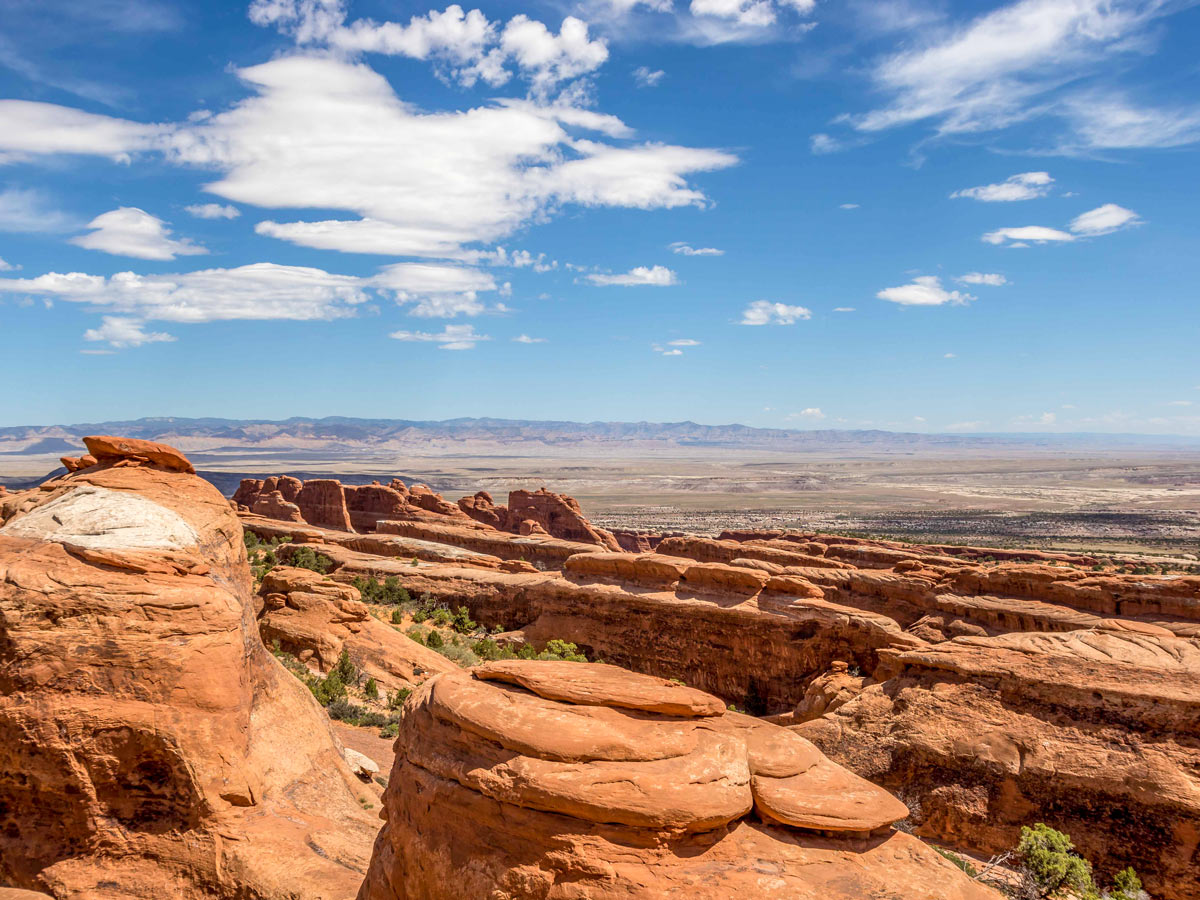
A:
315,619
558,780
1095,732
322,502
149,744
538,512
272,505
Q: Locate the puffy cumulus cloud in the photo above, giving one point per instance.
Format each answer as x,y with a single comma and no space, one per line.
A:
1095,222
452,337
319,132
1104,220
1016,62
743,12
812,412
688,250
644,76
1023,186
526,339
989,278
6,266
213,211
129,231
924,290
658,276
466,45
122,332
261,291
764,312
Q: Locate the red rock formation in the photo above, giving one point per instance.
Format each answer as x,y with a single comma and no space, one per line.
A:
150,746
322,502
106,448
559,515
316,619
483,509
557,780
1096,733
272,505
369,503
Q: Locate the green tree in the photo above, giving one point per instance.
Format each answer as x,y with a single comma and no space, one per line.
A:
371,689
1127,886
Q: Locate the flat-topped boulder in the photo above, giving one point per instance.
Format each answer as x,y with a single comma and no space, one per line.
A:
572,809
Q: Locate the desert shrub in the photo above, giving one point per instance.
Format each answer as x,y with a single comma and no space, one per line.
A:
419,615
353,714
462,621
1048,859
396,699
329,689
488,649
964,864
390,730
397,616
389,592
346,669
434,640
564,650
371,689
1127,886
442,617
307,558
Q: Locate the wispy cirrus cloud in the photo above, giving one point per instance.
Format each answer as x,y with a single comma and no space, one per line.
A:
452,337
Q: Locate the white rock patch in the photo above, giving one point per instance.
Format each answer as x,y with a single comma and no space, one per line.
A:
100,519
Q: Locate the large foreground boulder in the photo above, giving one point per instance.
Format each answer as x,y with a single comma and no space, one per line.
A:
150,746
570,780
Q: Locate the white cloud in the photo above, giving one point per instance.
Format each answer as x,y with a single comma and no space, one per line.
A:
466,45
659,276
437,291
29,210
33,129
812,412
822,143
683,342
526,339
848,206
1179,403
261,291
1005,66
668,352
843,309
1101,220
452,337
322,133
1113,122
6,266
688,250
1104,220
129,231
1025,234
646,77
754,13
949,356
122,332
213,211
763,312
1024,186
989,278
925,290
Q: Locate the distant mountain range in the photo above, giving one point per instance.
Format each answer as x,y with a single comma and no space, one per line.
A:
357,437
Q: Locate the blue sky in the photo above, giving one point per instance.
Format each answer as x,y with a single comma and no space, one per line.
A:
920,216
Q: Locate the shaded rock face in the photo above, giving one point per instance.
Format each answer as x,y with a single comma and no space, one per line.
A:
565,780
1096,732
316,619
149,744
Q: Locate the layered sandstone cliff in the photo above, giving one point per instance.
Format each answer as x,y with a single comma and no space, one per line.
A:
150,746
569,780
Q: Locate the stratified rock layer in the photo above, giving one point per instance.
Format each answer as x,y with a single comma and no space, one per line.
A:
149,744
505,793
